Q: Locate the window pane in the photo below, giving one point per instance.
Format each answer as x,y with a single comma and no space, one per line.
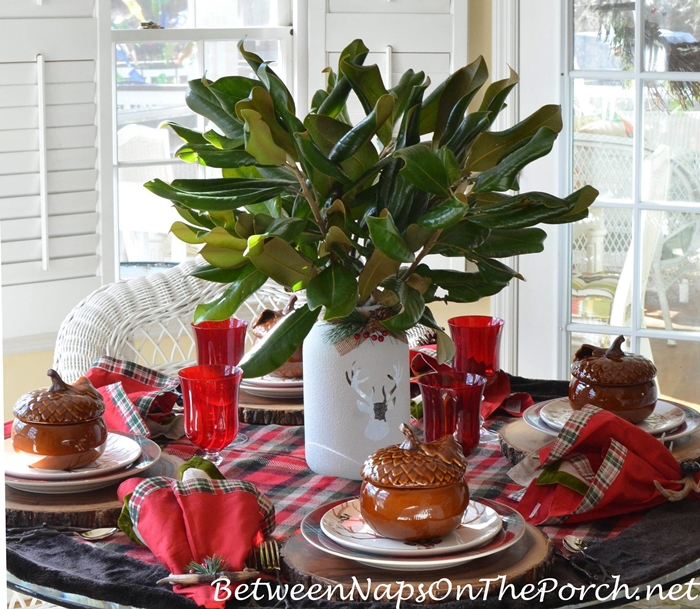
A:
151,83
671,143
603,137
677,367
145,219
603,35
221,58
129,14
672,35
670,268
601,274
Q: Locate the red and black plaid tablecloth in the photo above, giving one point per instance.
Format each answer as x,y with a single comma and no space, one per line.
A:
273,459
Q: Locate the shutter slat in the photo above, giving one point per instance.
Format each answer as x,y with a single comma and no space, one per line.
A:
72,181
396,6
59,226
24,73
20,139
15,208
59,247
65,268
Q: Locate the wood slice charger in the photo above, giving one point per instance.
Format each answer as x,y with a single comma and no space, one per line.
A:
527,561
266,411
92,509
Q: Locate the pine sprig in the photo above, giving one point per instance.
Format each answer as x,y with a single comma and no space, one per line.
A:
211,564
346,327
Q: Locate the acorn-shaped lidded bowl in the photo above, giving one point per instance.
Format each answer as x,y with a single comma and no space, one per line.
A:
415,491
60,427
622,383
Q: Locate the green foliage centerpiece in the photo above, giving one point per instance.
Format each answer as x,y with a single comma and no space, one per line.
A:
349,212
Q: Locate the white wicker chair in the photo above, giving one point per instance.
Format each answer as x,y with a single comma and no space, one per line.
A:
145,320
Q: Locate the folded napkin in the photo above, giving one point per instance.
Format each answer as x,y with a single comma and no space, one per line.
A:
496,395
137,399
599,466
195,519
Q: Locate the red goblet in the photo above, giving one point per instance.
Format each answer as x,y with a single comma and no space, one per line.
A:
452,405
221,342
210,398
477,348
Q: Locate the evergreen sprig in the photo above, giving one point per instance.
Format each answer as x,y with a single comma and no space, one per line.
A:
211,564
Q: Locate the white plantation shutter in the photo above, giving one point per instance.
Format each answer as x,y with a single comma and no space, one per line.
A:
423,35
41,287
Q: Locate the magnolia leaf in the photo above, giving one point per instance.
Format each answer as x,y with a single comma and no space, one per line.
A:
583,198
278,345
280,261
188,135
504,243
188,234
246,281
424,169
261,102
201,100
445,348
220,237
223,257
491,146
443,215
417,236
336,237
412,305
377,269
314,156
245,225
387,238
259,140
419,283
335,288
503,176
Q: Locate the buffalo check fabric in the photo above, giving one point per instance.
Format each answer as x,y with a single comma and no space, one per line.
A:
133,394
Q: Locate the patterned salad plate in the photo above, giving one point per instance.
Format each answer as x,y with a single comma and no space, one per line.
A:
672,420
119,452
149,454
274,387
512,529
345,525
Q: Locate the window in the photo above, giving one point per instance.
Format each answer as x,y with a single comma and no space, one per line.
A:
180,40
630,88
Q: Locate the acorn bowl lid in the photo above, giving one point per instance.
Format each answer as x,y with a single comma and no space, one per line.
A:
414,464
612,366
61,403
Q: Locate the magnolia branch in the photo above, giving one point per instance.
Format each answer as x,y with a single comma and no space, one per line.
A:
422,254
309,197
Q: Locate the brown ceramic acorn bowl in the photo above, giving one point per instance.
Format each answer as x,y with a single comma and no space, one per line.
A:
59,447
414,514
633,403
621,383
415,491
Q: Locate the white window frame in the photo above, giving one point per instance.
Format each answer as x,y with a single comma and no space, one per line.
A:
544,301
109,163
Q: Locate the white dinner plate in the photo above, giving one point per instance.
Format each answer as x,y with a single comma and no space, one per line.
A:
150,454
345,525
513,528
533,417
666,416
272,381
119,452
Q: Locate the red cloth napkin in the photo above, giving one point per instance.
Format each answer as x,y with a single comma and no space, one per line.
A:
599,466
184,521
133,394
496,395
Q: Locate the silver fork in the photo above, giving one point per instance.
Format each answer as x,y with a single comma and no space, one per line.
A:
269,554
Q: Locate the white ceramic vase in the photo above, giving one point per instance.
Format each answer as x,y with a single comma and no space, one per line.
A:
353,403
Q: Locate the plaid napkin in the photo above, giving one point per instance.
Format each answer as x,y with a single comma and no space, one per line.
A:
496,395
599,466
137,399
194,519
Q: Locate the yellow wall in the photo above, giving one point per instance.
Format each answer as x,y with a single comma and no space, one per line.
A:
27,371
24,372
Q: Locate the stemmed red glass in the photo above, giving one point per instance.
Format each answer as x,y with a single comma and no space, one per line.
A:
210,399
221,343
477,348
452,405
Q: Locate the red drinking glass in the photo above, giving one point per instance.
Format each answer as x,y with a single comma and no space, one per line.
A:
220,342
477,342
210,399
452,405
